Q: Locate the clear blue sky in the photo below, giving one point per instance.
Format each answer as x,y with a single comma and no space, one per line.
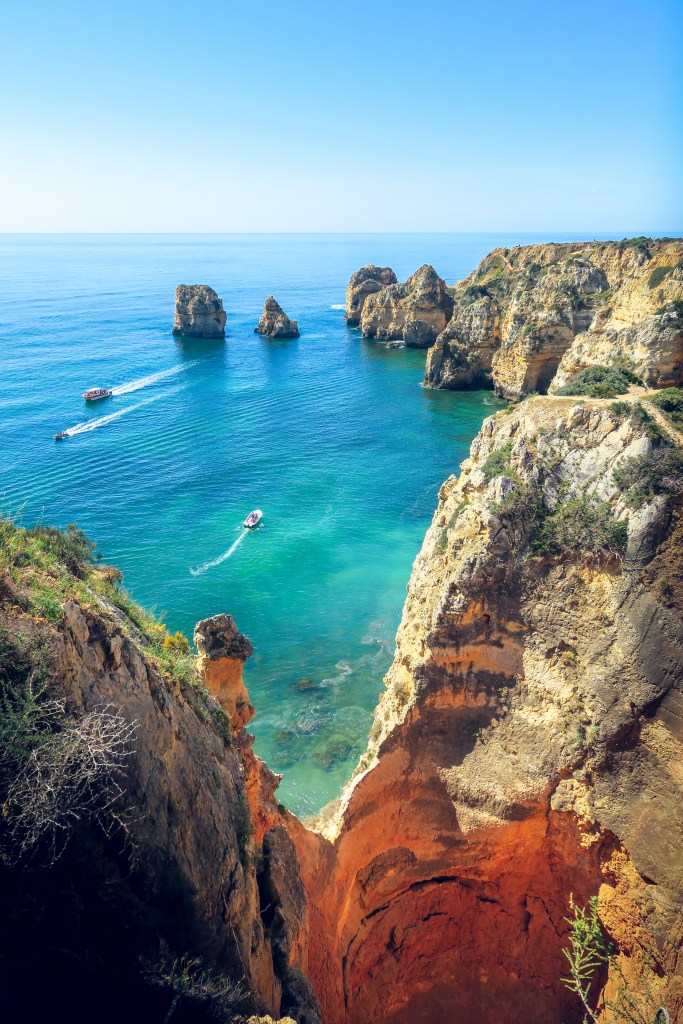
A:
314,116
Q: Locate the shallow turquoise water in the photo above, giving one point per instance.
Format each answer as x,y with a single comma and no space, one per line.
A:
331,436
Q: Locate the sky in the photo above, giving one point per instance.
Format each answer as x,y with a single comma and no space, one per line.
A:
319,116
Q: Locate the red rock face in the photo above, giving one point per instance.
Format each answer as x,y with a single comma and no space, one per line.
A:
527,749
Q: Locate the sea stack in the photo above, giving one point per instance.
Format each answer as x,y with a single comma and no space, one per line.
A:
275,323
199,312
414,312
364,282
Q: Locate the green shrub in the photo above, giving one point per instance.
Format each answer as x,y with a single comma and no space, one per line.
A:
643,477
498,462
670,401
600,382
581,525
519,512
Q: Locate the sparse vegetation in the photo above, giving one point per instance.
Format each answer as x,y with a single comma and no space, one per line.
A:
498,462
588,955
670,401
642,477
581,525
659,274
51,566
600,382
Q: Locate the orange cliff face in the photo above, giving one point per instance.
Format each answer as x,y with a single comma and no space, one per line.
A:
527,747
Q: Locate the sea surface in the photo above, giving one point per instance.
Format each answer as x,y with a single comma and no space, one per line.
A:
331,436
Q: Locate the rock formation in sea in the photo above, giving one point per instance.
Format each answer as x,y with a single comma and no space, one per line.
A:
414,312
275,323
199,312
365,282
529,318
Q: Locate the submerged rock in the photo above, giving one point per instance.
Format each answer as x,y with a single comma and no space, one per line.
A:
365,282
199,312
275,323
413,312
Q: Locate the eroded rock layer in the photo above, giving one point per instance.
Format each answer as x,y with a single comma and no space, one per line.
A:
527,746
529,318
275,323
365,282
199,312
414,312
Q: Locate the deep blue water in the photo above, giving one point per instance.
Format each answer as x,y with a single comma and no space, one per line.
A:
331,436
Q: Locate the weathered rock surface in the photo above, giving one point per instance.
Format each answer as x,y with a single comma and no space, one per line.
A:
275,323
181,886
199,312
222,652
528,746
413,312
528,318
365,282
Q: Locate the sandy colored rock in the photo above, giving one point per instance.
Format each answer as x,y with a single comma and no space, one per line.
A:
530,317
199,312
222,651
362,283
420,308
275,323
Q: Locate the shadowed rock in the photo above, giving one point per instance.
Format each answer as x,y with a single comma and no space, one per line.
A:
275,323
199,312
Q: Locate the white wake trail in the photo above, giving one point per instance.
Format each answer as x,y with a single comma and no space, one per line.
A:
221,558
84,428
152,378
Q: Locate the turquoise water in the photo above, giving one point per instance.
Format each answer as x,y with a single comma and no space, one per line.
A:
331,436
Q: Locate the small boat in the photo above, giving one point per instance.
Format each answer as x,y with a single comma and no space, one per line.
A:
253,519
61,434
95,394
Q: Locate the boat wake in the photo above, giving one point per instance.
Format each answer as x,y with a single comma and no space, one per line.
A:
338,305
152,378
221,558
84,428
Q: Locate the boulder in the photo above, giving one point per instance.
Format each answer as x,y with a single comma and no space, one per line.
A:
199,312
275,323
365,282
222,651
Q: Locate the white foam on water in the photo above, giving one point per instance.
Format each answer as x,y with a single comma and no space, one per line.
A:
338,305
84,428
152,378
221,558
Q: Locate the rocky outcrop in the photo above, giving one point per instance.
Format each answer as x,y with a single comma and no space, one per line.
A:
528,318
222,652
527,746
365,282
167,882
275,323
199,312
414,312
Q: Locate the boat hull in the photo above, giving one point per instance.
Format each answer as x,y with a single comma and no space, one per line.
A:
253,519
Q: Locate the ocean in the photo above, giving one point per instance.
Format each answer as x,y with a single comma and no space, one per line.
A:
331,436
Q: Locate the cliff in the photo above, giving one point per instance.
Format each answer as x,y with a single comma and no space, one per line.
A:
199,312
413,312
275,323
528,744
128,863
526,750
529,318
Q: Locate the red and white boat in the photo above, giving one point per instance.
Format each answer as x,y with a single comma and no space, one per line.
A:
253,519
95,394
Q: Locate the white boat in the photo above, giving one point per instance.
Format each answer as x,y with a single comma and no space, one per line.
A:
95,394
253,519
